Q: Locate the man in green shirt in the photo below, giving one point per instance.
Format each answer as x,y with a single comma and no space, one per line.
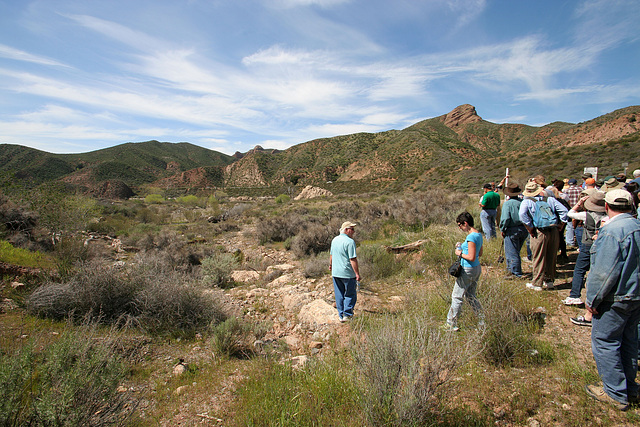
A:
489,204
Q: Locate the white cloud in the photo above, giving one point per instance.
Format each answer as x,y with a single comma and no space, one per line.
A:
551,94
304,3
19,55
334,129
121,33
467,10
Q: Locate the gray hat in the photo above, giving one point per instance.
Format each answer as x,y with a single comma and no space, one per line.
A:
595,202
611,183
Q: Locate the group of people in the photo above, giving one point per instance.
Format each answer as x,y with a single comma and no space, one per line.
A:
598,218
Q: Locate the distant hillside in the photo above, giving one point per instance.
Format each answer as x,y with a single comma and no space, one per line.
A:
133,163
458,150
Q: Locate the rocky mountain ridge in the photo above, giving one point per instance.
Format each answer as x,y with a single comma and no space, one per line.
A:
433,150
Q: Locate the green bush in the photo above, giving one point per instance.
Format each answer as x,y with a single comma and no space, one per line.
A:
283,199
71,382
154,199
234,338
376,263
217,268
189,200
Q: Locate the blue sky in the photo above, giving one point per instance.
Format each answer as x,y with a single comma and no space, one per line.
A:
80,75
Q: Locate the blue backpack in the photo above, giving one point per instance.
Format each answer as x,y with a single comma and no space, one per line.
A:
544,216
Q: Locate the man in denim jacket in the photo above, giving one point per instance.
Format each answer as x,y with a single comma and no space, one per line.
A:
613,297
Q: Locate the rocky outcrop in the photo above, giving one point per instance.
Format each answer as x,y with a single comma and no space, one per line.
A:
112,190
461,115
197,178
310,192
244,173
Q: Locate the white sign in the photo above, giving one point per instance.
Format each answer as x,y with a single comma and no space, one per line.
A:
593,171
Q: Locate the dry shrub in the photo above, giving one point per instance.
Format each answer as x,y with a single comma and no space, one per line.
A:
93,290
403,363
147,294
173,304
273,230
313,239
280,228
238,210
316,265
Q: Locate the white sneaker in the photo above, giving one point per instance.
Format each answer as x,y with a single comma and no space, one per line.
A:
547,286
533,287
572,301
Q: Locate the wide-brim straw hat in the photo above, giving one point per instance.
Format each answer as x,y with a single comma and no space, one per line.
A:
532,189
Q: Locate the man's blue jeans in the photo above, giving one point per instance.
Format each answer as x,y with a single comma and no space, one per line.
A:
583,264
614,343
488,220
346,295
514,238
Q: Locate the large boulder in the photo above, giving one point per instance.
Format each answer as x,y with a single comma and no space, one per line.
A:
310,192
318,312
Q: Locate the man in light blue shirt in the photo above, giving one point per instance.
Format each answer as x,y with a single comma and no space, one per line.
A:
344,270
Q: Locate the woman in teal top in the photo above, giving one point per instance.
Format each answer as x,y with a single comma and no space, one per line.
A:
466,285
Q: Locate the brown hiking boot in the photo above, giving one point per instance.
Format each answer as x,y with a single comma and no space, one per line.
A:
598,393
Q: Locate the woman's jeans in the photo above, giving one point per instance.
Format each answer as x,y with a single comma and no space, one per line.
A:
514,238
465,287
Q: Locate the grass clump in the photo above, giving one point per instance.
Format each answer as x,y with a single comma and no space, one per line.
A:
71,382
401,365
12,255
377,263
322,393
235,338
512,322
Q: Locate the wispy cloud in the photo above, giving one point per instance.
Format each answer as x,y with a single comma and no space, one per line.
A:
118,32
19,55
